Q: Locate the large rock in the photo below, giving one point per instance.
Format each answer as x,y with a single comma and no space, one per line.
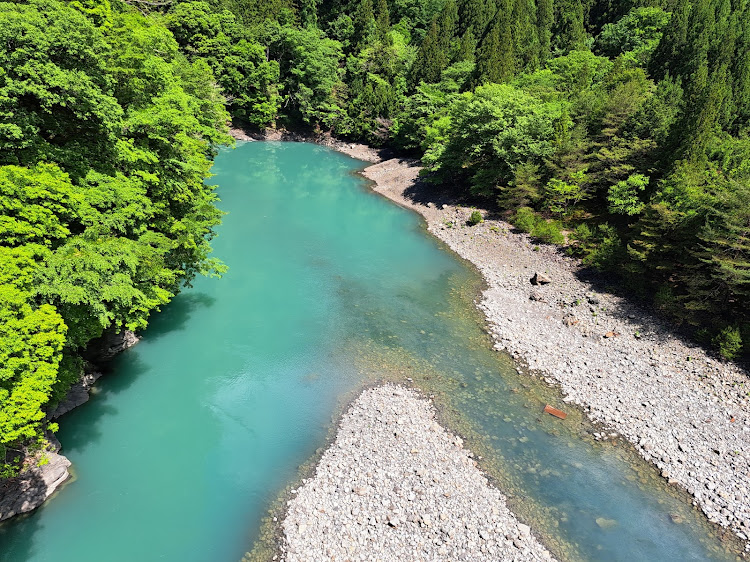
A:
540,279
77,394
29,490
111,343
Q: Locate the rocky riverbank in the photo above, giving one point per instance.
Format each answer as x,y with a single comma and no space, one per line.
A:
48,470
684,410
353,149
396,486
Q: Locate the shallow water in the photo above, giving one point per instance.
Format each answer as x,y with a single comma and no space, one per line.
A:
191,436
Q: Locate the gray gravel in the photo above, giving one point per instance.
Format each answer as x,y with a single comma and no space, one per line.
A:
685,411
395,486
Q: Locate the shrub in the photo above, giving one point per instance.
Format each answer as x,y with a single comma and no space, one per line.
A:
728,342
549,232
608,252
664,299
582,233
475,218
525,219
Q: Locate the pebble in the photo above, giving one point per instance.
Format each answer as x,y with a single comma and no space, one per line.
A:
643,382
404,516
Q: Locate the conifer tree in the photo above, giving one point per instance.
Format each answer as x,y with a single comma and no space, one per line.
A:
448,27
431,59
525,35
495,56
383,22
364,23
739,110
569,30
475,15
467,46
307,12
545,19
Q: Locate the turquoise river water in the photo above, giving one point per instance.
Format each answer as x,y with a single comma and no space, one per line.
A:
192,435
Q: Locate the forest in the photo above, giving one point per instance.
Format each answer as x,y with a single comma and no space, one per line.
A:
617,129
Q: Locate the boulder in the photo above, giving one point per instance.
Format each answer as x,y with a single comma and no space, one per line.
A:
28,491
540,279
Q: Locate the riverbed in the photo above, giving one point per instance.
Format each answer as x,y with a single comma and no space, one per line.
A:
192,434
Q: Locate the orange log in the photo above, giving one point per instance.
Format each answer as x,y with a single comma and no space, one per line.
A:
555,412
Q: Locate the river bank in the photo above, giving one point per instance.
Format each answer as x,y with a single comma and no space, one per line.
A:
394,485
684,411
48,469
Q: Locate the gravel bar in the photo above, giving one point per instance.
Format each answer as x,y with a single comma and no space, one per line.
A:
684,410
395,486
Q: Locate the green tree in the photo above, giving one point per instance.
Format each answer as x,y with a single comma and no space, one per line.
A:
364,23
491,133
623,197
545,20
431,59
495,55
311,75
383,22
307,11
561,196
639,32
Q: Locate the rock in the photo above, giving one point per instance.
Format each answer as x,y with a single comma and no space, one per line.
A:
29,490
592,299
540,279
605,523
570,320
537,296
77,394
110,344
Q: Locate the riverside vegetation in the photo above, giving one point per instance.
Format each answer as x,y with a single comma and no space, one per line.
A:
619,127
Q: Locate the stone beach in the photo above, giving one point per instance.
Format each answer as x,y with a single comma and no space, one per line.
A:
684,410
396,486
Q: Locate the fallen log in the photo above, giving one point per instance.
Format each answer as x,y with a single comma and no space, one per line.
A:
555,412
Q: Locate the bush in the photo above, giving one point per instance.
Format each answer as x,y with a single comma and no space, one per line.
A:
728,342
607,252
525,219
475,218
549,232
582,233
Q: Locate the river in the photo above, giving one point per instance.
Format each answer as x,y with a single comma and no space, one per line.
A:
189,439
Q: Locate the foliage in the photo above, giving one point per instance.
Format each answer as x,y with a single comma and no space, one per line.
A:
639,33
623,196
491,132
311,75
549,231
525,219
475,218
107,133
728,342
561,196
249,81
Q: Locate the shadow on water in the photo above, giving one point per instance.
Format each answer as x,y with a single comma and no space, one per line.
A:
24,526
80,428
176,316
